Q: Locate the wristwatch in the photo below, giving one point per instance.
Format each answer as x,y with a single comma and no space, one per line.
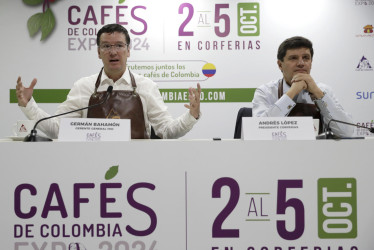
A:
319,99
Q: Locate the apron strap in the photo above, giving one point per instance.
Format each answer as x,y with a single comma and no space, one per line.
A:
98,81
133,83
280,88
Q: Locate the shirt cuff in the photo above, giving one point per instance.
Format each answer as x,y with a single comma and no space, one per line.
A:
324,104
191,119
28,110
285,104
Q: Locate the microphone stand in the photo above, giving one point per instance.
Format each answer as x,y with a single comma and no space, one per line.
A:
330,135
33,137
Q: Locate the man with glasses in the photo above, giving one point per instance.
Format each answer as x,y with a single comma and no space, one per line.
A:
134,97
297,94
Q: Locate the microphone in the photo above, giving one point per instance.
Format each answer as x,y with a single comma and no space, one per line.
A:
330,135
33,137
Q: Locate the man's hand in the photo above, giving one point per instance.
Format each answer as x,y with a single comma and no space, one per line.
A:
194,97
296,88
312,87
24,94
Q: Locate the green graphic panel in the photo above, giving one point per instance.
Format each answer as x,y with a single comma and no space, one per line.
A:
337,208
43,95
169,95
248,19
209,95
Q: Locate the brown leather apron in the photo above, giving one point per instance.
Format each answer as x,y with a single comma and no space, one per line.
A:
121,104
302,109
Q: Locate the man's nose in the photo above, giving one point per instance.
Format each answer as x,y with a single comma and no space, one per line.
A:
301,62
112,50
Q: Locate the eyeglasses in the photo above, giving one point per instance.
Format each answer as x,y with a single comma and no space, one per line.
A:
117,47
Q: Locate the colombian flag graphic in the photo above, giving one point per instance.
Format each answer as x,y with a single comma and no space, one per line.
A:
209,70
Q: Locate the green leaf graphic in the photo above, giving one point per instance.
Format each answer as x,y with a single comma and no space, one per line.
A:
48,23
111,173
32,2
34,23
121,1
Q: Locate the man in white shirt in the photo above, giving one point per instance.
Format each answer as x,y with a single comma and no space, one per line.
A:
297,94
113,49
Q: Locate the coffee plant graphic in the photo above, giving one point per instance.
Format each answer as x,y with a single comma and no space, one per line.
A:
111,172
45,20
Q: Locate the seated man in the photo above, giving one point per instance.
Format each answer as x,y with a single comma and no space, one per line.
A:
134,97
297,94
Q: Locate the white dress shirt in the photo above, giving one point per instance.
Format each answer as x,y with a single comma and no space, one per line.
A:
267,104
155,110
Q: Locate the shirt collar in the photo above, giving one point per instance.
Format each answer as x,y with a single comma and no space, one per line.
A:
125,79
286,87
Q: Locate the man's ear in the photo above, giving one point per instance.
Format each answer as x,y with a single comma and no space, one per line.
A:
279,62
99,52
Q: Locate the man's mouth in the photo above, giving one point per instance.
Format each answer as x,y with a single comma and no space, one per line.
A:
113,60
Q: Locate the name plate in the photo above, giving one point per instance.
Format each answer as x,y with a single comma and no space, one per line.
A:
92,129
278,128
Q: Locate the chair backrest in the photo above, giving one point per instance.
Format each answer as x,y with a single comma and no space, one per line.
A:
153,134
243,112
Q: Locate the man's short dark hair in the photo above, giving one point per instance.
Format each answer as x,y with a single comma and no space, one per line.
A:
111,28
295,42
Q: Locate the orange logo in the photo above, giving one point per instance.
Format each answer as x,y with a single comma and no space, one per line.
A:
368,29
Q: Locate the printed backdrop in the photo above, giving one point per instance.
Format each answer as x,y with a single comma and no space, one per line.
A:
234,197
228,46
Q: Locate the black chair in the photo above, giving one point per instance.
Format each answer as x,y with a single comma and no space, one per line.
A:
243,112
153,134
